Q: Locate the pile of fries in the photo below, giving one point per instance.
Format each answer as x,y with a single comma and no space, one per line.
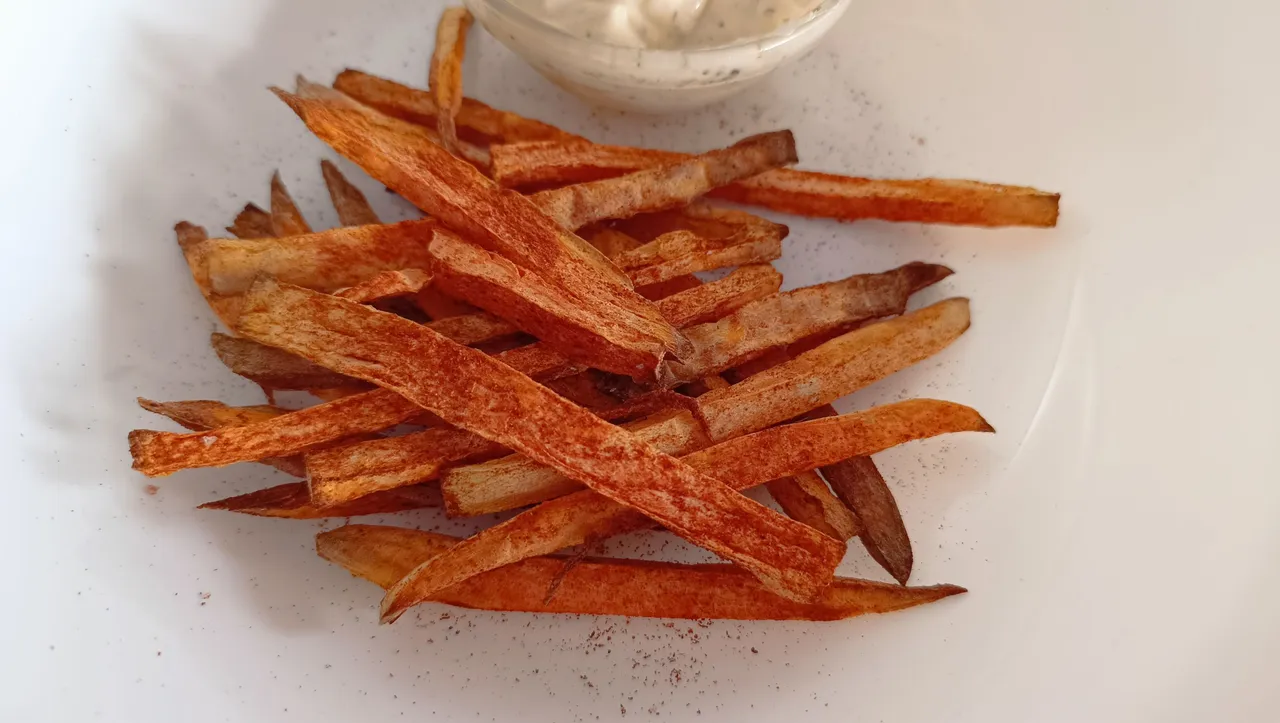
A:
542,332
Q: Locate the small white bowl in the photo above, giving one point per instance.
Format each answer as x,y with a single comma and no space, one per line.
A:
648,80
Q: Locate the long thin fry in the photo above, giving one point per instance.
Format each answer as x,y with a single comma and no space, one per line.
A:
454,192
509,408
200,415
666,186
707,302
806,498
805,193
292,501
820,376
598,586
286,219
445,77
860,485
352,207
475,120
194,243
741,462
385,285
251,222
273,368
681,253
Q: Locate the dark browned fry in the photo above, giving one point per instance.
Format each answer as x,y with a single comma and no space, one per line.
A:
805,497
460,197
806,193
475,120
742,462
859,484
292,501
445,77
251,222
286,219
508,408
352,207
666,186
438,305
600,586
583,389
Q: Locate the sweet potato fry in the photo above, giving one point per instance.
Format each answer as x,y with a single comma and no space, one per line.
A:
599,586
508,408
666,186
477,328
273,368
385,285
286,219
475,120
505,222
820,376
344,473
352,207
806,498
251,222
859,484
742,462
194,242
445,77
805,193
199,415
707,302
788,317
439,306
292,501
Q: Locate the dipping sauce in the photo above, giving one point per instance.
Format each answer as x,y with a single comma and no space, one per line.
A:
669,24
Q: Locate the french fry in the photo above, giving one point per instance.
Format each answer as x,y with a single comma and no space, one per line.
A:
508,408
352,207
681,253
385,285
475,120
445,77
859,484
788,317
806,498
507,223
471,329
439,306
251,222
599,586
194,242
707,302
666,186
200,415
805,193
583,390
818,377
742,462
286,219
292,501
273,368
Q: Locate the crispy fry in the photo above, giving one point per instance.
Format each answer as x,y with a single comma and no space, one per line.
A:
251,222
834,369
199,415
508,408
859,484
273,368
344,473
820,376
475,120
445,78
666,186
806,498
292,501
707,302
742,462
194,242
470,329
385,285
286,219
508,223
788,317
352,207
599,586
805,193
682,253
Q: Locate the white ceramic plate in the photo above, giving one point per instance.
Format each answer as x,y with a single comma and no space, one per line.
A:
1119,534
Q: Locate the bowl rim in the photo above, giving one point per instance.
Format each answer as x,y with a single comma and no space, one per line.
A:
760,43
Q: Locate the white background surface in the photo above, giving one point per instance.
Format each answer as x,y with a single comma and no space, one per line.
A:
1119,535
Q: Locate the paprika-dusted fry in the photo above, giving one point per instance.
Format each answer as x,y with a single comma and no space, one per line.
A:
509,408
666,186
251,222
681,253
805,497
860,485
286,219
805,193
385,285
445,77
292,501
274,368
475,120
199,415
742,462
601,586
352,207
